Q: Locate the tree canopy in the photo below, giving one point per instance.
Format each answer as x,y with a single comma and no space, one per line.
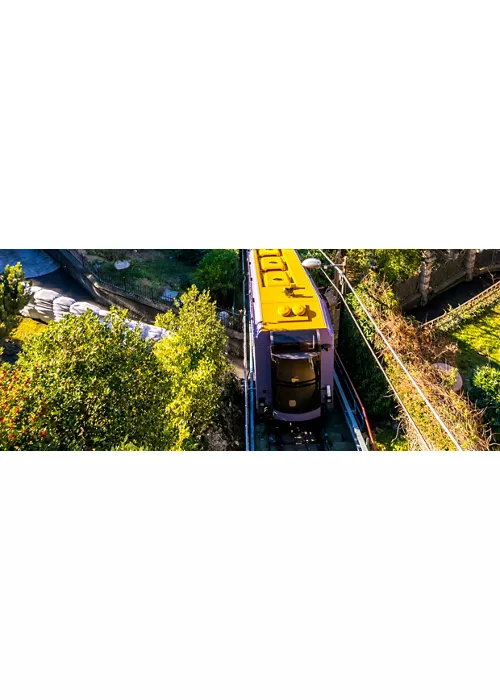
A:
390,264
219,272
88,385
193,358
14,295
84,385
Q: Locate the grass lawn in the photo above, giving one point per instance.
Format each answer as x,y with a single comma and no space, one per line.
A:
157,268
26,328
479,341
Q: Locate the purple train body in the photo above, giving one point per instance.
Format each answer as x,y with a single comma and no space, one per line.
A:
293,369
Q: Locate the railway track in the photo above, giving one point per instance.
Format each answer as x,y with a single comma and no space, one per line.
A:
343,428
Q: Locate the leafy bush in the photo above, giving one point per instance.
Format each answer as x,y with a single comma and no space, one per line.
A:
191,256
485,391
390,264
84,385
369,381
219,272
14,295
193,359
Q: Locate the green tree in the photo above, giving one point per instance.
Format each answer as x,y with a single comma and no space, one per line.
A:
219,272
194,361
14,295
85,385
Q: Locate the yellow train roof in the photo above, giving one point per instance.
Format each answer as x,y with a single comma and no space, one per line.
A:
288,299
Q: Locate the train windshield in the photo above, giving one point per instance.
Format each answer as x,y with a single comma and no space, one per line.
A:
298,341
296,375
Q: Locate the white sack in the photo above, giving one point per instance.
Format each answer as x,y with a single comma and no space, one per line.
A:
46,296
61,307
80,307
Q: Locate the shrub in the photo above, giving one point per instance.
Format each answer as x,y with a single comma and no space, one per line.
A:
485,391
14,295
219,272
193,359
84,385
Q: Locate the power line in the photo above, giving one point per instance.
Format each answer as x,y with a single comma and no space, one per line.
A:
424,443
393,352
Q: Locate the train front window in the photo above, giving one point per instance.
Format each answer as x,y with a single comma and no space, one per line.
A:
296,381
298,341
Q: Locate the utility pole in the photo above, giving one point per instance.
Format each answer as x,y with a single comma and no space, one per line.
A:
333,298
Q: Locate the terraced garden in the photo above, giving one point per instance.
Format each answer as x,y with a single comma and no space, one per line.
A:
170,268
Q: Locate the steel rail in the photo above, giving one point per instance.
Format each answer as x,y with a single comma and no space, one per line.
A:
360,403
245,351
252,356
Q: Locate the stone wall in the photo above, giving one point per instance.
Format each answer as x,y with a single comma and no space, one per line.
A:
431,281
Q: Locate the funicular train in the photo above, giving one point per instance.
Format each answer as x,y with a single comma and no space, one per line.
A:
292,339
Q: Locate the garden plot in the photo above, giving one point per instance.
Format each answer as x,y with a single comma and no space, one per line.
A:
155,268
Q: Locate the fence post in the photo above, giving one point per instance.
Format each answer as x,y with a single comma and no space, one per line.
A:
470,261
425,275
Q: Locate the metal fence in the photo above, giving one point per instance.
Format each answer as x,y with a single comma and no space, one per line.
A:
117,279
478,304
155,293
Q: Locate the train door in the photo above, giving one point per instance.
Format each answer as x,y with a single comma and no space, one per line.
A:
296,372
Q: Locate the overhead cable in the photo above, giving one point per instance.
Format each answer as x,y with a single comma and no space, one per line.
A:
399,399
393,352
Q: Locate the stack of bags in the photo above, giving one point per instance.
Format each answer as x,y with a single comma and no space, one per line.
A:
43,301
29,309
62,306
47,305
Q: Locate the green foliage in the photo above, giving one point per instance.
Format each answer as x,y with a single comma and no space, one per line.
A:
191,256
219,272
390,264
193,358
485,391
475,308
397,263
369,381
154,268
389,441
478,340
367,376
84,385
14,295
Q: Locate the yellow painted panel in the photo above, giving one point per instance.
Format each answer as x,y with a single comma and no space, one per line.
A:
290,288
272,263
269,251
